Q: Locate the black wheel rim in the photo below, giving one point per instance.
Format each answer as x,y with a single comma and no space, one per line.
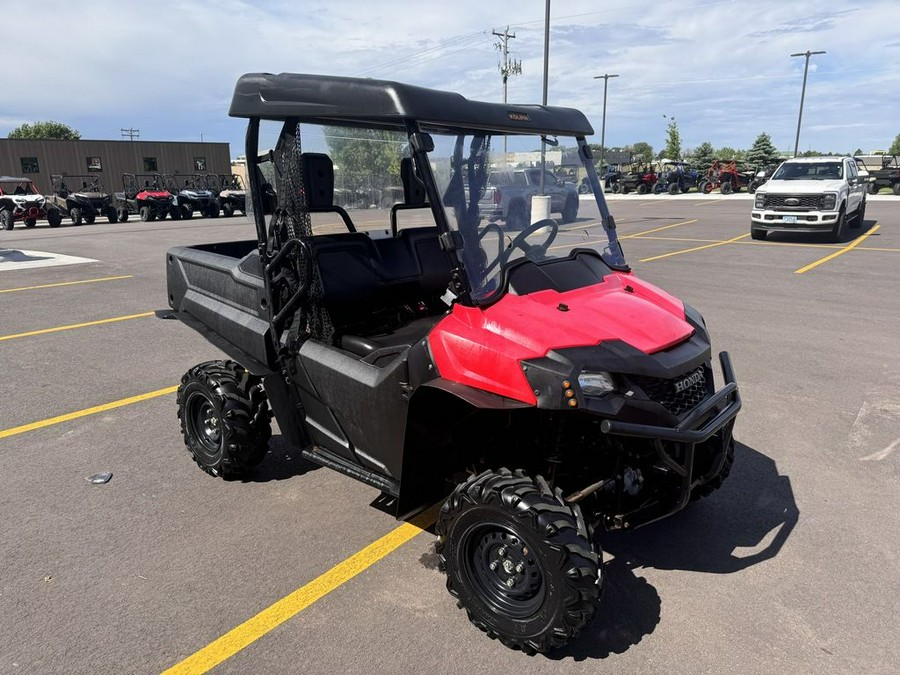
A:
503,569
205,424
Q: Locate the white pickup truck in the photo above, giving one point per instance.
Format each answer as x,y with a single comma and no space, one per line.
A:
810,194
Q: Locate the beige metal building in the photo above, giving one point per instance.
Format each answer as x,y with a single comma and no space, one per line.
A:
38,159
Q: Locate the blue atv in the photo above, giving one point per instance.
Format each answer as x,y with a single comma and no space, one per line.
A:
675,177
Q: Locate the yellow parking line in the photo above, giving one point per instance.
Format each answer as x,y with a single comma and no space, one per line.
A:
277,613
65,283
658,229
696,248
5,433
711,201
842,251
44,331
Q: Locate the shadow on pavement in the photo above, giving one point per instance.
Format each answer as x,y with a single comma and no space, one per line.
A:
283,461
744,523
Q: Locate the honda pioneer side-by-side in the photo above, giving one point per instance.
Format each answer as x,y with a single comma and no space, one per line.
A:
190,195
527,380
230,193
83,198
21,201
143,195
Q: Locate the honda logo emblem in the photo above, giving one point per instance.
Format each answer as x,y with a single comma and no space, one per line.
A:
689,381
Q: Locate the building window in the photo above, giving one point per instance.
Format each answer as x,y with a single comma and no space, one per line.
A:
30,165
94,165
150,164
199,163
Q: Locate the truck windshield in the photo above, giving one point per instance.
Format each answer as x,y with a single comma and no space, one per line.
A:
504,211
809,171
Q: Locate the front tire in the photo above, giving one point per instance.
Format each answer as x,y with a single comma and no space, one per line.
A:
112,216
54,217
860,216
90,218
227,210
716,482
6,219
519,559
123,216
224,417
146,214
75,215
30,222
726,187
839,233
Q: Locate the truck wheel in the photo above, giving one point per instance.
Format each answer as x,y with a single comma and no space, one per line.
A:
54,217
517,216
860,217
224,417
570,210
839,232
111,215
75,215
519,560
227,210
757,233
726,187
30,222
708,488
145,214
90,218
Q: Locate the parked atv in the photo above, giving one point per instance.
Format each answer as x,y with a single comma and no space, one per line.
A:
725,176
83,198
230,192
760,176
639,179
190,195
535,388
143,195
20,200
675,177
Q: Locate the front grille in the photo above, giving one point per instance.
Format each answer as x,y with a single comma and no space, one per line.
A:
665,392
804,202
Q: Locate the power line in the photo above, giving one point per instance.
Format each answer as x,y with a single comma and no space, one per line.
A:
508,66
131,133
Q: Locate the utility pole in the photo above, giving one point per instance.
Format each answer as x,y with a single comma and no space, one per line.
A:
507,67
807,54
131,133
605,79
546,75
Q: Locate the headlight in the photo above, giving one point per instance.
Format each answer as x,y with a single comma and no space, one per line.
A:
596,384
828,201
760,202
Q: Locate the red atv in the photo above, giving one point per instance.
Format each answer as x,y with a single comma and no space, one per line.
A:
726,176
640,180
528,381
145,196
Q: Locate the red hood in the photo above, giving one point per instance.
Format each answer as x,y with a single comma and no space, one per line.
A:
153,194
483,347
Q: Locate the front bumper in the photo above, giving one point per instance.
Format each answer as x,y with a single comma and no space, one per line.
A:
794,221
710,423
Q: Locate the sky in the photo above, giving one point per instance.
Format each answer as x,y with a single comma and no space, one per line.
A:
721,68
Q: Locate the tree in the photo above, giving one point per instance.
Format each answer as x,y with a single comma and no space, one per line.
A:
643,152
763,153
858,151
673,141
702,156
365,160
46,130
895,146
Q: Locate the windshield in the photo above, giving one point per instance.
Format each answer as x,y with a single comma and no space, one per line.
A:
488,196
810,171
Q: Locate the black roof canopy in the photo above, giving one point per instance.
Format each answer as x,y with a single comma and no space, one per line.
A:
323,99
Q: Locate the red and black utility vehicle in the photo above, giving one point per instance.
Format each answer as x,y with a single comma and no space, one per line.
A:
144,195
727,177
640,179
526,380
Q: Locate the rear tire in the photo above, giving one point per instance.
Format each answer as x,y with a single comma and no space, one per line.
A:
54,217
895,188
6,219
112,216
123,216
227,210
90,218
673,188
224,417
519,560
30,222
617,188
872,188
705,187
145,214
726,187
641,188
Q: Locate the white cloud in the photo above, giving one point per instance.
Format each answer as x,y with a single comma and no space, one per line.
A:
722,68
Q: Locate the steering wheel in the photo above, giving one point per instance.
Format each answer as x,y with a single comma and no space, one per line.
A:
533,252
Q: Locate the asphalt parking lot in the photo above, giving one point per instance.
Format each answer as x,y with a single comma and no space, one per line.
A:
790,567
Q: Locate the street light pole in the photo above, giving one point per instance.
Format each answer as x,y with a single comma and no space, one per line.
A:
605,79
807,54
546,75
